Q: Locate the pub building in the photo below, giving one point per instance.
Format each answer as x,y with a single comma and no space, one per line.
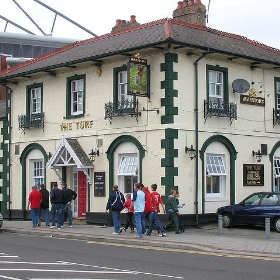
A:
171,102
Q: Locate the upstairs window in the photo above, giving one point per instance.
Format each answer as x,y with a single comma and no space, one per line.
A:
34,99
217,88
75,96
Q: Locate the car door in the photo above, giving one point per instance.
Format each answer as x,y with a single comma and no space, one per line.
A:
248,210
268,207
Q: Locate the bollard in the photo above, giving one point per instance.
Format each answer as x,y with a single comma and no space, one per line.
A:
220,224
267,228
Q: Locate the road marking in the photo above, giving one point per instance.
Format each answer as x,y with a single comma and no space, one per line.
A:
215,254
10,278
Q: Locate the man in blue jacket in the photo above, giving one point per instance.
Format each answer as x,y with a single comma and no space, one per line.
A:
115,204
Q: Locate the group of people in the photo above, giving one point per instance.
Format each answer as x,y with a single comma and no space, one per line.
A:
38,203
144,205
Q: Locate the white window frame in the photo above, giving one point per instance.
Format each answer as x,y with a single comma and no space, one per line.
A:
277,93
276,167
35,100
77,97
215,169
128,167
216,85
38,176
122,89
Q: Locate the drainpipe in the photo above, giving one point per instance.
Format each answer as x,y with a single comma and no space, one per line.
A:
196,136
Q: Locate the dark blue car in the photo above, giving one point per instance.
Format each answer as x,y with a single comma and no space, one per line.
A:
253,210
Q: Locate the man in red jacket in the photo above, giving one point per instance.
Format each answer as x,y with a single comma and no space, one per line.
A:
34,203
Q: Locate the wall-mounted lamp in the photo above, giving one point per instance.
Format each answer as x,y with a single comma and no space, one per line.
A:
98,70
191,151
93,154
258,155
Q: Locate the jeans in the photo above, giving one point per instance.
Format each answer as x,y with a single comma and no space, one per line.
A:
139,223
116,220
68,208
173,219
35,216
46,216
155,223
57,208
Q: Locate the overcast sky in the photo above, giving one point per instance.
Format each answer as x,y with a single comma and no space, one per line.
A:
255,19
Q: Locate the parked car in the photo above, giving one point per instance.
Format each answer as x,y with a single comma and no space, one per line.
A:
253,210
1,220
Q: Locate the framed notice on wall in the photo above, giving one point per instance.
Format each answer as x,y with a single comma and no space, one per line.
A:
99,183
253,175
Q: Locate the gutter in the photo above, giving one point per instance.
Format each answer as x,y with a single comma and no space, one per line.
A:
196,135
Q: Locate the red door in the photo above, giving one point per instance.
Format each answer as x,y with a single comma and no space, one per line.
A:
82,194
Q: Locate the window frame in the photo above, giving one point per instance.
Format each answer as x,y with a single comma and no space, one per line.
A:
116,85
69,97
29,103
277,95
219,176
35,169
129,175
224,97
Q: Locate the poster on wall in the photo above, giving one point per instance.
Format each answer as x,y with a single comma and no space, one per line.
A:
253,175
138,80
99,184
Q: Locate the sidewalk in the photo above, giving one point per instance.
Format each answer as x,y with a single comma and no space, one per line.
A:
240,241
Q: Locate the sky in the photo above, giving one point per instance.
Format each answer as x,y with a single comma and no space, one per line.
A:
255,19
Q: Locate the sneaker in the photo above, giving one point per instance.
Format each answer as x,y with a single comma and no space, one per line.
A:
52,227
59,227
162,234
115,232
71,226
138,236
177,232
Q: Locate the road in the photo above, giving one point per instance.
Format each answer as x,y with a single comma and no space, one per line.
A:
34,257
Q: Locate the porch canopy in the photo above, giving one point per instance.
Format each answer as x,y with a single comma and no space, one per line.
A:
70,153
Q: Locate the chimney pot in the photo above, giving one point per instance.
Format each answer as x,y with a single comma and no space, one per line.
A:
180,5
132,18
118,22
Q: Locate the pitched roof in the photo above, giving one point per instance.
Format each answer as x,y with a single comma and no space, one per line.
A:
148,35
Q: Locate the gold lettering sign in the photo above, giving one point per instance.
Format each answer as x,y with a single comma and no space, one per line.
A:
76,125
253,175
252,100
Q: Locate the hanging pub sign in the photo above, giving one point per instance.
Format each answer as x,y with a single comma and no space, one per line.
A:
253,175
138,79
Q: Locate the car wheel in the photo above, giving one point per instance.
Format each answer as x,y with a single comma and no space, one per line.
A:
228,221
277,224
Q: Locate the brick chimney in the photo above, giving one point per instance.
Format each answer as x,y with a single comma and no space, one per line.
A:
123,24
192,11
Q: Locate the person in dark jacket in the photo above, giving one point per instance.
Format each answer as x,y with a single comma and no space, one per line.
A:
67,195
172,209
45,204
116,204
57,206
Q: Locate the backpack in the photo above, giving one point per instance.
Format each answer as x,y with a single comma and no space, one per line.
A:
74,195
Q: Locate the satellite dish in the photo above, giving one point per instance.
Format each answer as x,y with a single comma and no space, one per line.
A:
240,86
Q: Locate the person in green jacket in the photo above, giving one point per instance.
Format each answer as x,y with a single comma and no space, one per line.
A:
171,207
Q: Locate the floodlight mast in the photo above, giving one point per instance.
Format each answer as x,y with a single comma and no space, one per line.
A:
65,17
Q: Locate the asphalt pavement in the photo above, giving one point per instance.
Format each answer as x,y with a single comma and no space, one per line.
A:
207,238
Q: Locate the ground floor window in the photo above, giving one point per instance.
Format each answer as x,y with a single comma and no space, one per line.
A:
127,172
276,174
38,172
215,175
